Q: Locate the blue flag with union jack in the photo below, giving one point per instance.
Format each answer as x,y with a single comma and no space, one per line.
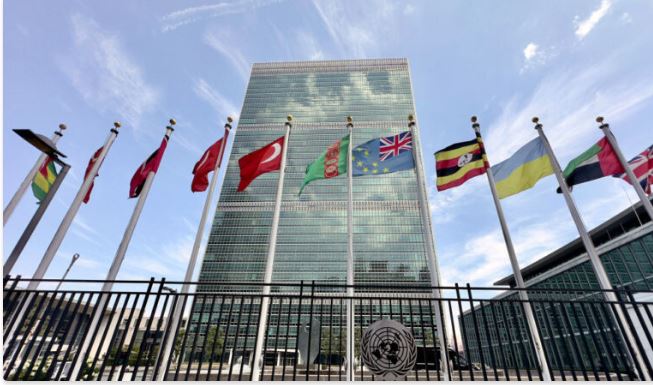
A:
384,155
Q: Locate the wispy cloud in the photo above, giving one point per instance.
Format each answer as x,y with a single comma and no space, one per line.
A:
484,258
360,38
584,27
218,41
190,15
219,102
567,101
310,46
105,75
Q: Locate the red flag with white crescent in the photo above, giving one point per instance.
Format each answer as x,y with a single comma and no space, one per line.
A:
91,162
204,166
263,160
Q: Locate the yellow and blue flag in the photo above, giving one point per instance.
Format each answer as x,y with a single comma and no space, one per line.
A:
383,155
523,169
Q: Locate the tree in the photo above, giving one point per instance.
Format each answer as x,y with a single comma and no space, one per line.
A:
215,336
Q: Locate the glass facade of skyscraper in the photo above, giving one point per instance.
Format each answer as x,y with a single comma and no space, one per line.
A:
389,236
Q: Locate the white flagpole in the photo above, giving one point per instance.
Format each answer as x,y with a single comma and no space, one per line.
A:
65,224
631,176
350,256
434,271
72,211
516,271
117,261
28,179
185,288
595,261
272,247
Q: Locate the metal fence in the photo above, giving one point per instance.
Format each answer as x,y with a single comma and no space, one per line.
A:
306,333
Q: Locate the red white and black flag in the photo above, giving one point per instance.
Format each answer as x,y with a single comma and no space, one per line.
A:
263,160
91,162
150,165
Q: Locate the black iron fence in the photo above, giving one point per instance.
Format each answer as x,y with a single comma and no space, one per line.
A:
305,338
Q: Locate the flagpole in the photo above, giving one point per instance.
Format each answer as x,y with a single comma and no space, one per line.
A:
350,256
272,246
631,176
72,211
595,261
36,218
514,263
425,213
185,288
117,260
28,179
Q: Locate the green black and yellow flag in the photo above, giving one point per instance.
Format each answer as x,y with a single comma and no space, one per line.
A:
456,164
44,179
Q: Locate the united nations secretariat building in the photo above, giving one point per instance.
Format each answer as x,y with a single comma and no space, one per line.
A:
341,282
391,239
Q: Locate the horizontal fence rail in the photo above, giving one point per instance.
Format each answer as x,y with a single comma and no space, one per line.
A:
486,334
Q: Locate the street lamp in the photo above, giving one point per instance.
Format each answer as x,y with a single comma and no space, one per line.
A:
49,148
72,261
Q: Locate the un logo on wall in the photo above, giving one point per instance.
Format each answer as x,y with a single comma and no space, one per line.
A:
388,349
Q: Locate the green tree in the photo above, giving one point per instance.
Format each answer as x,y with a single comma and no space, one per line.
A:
215,336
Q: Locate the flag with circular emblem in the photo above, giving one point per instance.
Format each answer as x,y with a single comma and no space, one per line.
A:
456,164
332,163
44,179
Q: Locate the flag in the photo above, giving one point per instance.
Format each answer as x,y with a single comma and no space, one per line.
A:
204,166
91,162
150,165
523,169
456,164
598,161
330,164
642,166
383,155
265,159
44,179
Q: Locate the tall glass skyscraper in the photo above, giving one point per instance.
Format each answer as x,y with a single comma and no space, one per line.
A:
390,238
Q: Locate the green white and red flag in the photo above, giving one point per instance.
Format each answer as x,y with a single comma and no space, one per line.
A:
598,161
332,163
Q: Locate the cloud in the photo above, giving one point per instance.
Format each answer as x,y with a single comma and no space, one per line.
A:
358,39
310,46
567,101
530,51
104,74
190,15
484,258
626,18
583,28
409,9
218,41
219,102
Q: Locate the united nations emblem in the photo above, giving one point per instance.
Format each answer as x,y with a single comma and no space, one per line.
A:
388,349
464,159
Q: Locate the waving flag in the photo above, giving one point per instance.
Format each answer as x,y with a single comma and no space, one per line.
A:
642,166
332,163
522,170
44,179
598,161
91,162
265,159
150,165
456,164
204,166
384,155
